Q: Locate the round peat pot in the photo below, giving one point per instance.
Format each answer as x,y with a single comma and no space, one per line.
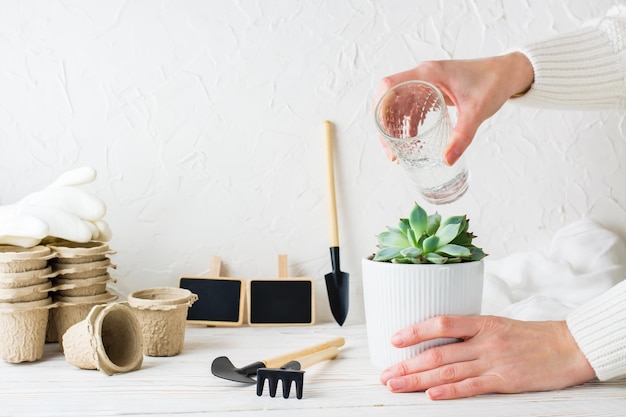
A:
25,279
25,294
162,314
108,339
23,330
72,310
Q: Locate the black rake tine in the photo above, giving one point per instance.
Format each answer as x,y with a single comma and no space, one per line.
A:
284,375
273,383
286,388
260,383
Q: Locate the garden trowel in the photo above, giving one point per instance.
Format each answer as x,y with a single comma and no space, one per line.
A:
337,282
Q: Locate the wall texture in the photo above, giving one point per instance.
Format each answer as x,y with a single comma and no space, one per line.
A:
203,120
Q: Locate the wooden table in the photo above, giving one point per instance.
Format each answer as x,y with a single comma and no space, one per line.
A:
183,385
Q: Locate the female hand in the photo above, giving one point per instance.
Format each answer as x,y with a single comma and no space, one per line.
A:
496,355
478,88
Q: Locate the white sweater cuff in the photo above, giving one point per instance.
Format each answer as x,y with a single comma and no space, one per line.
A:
584,69
599,328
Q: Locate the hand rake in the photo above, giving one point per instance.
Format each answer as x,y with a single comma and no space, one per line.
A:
291,372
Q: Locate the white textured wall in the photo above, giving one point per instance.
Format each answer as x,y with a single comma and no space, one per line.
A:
203,119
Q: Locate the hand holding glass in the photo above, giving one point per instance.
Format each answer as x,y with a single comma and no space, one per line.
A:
413,119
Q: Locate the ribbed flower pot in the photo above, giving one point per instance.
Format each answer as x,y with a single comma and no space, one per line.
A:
109,339
399,295
162,313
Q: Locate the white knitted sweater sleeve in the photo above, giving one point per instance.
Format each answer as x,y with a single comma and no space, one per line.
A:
599,328
584,69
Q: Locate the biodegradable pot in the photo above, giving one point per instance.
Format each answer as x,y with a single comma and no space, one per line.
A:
23,330
25,294
71,310
399,295
108,339
76,250
82,287
51,330
25,279
89,273
23,265
82,267
14,253
82,259
162,313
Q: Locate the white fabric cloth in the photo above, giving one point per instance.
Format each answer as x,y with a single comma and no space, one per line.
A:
583,261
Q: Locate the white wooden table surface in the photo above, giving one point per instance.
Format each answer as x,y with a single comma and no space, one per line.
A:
183,385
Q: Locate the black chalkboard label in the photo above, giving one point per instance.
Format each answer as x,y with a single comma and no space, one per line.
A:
220,300
274,302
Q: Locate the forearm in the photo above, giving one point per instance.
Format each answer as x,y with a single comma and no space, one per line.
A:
599,328
585,69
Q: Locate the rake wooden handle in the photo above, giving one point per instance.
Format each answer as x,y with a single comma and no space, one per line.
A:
279,361
313,358
330,186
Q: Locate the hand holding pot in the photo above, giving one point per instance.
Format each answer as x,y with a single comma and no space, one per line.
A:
496,355
60,210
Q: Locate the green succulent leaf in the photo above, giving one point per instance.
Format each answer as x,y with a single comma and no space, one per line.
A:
430,244
403,261
387,253
404,225
411,252
455,251
423,238
447,233
455,260
411,238
420,241
462,220
477,253
463,239
435,259
418,220
393,238
434,220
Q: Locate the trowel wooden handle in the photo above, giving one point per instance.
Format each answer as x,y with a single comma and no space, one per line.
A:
279,361
313,358
330,186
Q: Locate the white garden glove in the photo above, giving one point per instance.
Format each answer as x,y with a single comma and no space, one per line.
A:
60,210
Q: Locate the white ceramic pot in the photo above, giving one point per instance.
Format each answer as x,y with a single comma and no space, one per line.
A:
399,295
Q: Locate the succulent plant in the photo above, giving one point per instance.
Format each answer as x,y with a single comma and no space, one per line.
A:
424,238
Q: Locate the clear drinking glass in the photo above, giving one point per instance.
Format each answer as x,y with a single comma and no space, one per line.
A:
414,120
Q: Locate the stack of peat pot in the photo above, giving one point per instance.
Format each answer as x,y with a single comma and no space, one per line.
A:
81,283
24,301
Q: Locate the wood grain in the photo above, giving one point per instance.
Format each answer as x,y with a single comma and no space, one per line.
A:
184,386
